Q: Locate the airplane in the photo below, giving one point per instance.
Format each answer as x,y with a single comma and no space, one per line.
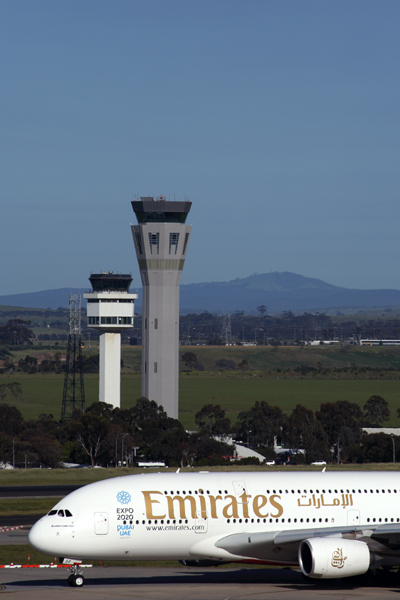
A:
333,525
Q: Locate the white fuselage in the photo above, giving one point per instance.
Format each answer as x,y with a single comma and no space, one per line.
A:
183,516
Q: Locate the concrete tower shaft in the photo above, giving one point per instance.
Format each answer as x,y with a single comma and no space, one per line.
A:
161,240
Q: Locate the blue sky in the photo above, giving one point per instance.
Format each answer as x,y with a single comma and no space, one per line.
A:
279,119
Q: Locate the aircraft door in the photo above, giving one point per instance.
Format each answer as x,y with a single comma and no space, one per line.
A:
101,523
240,489
353,517
200,523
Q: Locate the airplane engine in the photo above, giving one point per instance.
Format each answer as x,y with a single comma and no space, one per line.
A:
331,558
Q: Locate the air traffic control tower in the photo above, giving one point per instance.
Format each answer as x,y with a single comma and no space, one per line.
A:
161,240
110,310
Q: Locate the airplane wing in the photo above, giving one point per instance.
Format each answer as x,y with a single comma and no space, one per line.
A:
283,545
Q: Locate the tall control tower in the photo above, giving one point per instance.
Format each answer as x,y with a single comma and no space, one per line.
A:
110,310
161,240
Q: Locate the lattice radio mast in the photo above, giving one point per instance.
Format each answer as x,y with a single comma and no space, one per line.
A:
226,331
74,390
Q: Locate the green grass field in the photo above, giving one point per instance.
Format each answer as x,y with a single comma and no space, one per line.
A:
233,392
238,390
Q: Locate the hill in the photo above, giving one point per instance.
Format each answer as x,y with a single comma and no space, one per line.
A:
279,291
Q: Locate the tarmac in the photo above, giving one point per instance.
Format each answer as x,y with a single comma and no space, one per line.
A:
239,583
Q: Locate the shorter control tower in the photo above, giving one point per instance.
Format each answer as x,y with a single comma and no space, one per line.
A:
110,310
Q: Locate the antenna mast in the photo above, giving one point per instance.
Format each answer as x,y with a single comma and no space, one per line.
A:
74,390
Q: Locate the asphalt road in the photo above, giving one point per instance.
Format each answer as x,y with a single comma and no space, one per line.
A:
36,491
185,583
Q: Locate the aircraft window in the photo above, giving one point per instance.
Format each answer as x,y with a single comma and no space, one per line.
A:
298,491
276,520
233,520
258,520
391,520
171,493
185,521
368,520
365,492
208,491
307,520
320,520
377,491
274,491
386,520
313,520
183,492
326,520
219,492
137,522
240,520
252,520
374,519
143,522
341,491
383,491
52,512
60,513
317,491
288,520
372,491
301,520
389,491
280,491
67,513
380,520
246,520
178,492
323,491
165,492
305,491
190,492
336,491
283,520
180,521
395,491
162,522
286,491
292,491
330,491
201,491
311,491
267,491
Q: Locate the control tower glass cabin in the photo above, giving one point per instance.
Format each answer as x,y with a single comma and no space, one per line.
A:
161,240
110,310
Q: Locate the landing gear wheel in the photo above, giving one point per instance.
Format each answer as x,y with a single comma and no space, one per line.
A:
69,580
78,580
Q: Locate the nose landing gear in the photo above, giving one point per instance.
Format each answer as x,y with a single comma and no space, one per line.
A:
76,579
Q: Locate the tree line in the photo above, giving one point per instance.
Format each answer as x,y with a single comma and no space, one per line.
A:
107,436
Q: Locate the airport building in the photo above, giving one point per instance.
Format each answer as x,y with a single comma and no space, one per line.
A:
110,310
161,240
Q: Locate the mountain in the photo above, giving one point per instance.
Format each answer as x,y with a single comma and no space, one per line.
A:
46,299
279,291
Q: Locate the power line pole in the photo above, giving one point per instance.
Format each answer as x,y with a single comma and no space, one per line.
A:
74,390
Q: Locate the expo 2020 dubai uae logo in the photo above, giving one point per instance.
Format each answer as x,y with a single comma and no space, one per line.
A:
124,497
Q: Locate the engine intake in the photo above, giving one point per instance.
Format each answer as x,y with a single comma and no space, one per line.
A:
331,558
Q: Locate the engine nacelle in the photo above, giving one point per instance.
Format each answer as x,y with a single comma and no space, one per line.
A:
331,558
